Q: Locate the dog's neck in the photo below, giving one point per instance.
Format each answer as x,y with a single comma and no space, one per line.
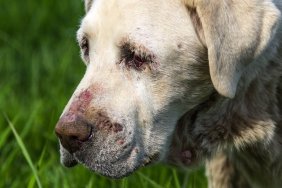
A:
221,123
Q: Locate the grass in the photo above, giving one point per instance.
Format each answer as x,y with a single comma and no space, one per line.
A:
39,69
25,153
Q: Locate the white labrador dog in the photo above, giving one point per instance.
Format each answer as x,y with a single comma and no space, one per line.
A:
182,82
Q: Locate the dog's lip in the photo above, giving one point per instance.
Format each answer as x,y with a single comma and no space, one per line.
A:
73,160
115,160
127,152
67,159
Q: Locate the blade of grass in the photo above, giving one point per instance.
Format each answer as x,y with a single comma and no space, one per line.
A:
31,182
39,163
186,180
149,180
90,184
168,184
24,151
124,183
175,177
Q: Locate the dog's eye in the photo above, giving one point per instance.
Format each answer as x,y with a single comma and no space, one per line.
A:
84,45
132,60
136,56
135,61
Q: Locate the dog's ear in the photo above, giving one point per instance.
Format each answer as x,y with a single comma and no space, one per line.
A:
87,4
235,34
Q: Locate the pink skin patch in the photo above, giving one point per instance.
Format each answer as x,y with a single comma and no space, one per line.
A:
120,142
183,157
78,106
85,95
81,110
186,157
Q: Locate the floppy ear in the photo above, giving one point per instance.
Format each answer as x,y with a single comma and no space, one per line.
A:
87,4
235,34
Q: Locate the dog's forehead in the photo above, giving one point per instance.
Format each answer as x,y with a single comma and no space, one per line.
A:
157,24
118,16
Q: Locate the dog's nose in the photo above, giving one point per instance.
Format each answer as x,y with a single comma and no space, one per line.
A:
72,132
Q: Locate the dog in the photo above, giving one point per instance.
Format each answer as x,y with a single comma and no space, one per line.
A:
184,82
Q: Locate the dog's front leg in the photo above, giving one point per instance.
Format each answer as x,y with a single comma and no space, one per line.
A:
222,173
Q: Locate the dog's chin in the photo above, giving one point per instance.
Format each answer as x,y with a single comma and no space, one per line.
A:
67,159
116,169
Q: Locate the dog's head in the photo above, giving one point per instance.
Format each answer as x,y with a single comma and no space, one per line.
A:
149,62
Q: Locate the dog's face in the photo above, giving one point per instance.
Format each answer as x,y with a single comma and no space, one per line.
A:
146,66
143,72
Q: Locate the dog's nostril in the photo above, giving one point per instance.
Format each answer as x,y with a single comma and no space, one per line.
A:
74,138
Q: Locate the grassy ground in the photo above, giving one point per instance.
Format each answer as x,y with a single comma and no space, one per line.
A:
39,69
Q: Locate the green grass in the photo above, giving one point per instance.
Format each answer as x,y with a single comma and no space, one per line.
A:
39,69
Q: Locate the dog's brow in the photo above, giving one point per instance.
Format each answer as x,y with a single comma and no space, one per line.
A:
136,47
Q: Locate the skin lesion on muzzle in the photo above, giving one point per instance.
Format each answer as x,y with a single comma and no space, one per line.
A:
75,127
72,129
